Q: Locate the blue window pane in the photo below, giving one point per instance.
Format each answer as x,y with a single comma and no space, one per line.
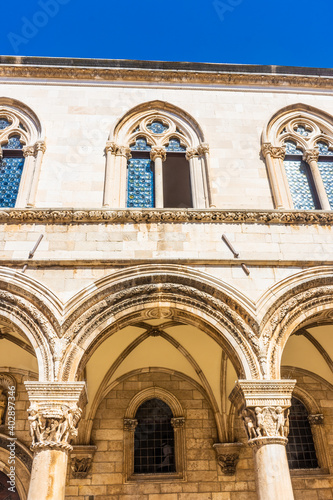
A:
291,148
174,145
140,145
301,130
13,143
4,123
326,172
324,149
157,127
299,184
10,176
140,183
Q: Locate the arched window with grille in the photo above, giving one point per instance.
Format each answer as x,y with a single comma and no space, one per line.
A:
301,451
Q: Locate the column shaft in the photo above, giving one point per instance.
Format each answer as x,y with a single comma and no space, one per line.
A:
48,475
159,199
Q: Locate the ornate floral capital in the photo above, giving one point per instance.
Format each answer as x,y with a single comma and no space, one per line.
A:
274,151
41,146
124,151
227,455
192,153
317,419
54,413
158,152
203,148
80,460
130,424
178,422
111,147
29,151
311,155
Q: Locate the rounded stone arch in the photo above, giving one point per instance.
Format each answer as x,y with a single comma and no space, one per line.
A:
23,464
154,392
154,109
139,293
30,309
33,130
304,298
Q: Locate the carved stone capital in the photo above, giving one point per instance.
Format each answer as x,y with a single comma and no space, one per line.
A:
311,155
203,148
130,424
111,147
41,146
54,413
178,422
158,152
264,440
263,406
192,153
316,419
274,151
29,151
124,151
227,455
81,459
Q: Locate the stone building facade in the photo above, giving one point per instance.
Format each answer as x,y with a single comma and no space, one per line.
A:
166,281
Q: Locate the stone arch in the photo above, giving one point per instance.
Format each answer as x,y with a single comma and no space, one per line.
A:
23,464
30,309
186,294
303,298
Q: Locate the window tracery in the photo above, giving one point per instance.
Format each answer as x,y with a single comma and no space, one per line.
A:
297,145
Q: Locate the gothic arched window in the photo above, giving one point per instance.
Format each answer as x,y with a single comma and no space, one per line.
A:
301,451
154,444
21,152
157,160
298,148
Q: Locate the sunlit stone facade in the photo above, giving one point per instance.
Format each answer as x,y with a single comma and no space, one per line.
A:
166,281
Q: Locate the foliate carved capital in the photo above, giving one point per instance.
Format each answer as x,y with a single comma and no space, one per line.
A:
311,155
124,151
178,422
274,151
41,146
29,151
81,459
203,148
317,419
130,424
227,455
192,153
111,147
263,406
54,413
158,152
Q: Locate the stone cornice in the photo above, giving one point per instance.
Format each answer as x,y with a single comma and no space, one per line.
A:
167,72
77,216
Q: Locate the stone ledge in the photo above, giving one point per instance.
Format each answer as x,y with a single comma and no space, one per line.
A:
77,216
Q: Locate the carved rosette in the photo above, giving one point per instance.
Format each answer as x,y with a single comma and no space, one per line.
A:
227,455
54,413
263,406
317,419
80,460
274,151
178,422
311,155
158,152
130,424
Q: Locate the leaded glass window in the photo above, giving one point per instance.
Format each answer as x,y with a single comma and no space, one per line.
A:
154,439
140,176
11,167
174,145
157,127
325,166
299,179
301,451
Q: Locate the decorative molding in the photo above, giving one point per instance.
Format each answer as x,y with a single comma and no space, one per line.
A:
54,216
316,419
261,441
80,460
54,413
227,455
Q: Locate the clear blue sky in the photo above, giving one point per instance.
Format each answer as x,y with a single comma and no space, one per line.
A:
284,32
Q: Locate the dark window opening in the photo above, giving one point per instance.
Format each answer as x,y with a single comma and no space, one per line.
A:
301,451
154,439
177,182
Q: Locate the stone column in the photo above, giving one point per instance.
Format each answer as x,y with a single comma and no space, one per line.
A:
311,157
264,409
272,154
158,156
54,414
110,150
40,149
123,155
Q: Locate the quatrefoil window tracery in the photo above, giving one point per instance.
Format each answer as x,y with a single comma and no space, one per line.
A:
158,131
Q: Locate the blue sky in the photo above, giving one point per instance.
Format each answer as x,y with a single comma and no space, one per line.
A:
287,32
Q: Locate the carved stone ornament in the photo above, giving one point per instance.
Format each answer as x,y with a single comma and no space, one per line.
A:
275,151
29,151
192,153
124,151
227,455
263,406
111,147
80,460
130,424
54,413
311,155
178,422
158,152
316,419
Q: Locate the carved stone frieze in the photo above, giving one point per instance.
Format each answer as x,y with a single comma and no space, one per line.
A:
317,419
80,460
54,413
51,216
227,455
